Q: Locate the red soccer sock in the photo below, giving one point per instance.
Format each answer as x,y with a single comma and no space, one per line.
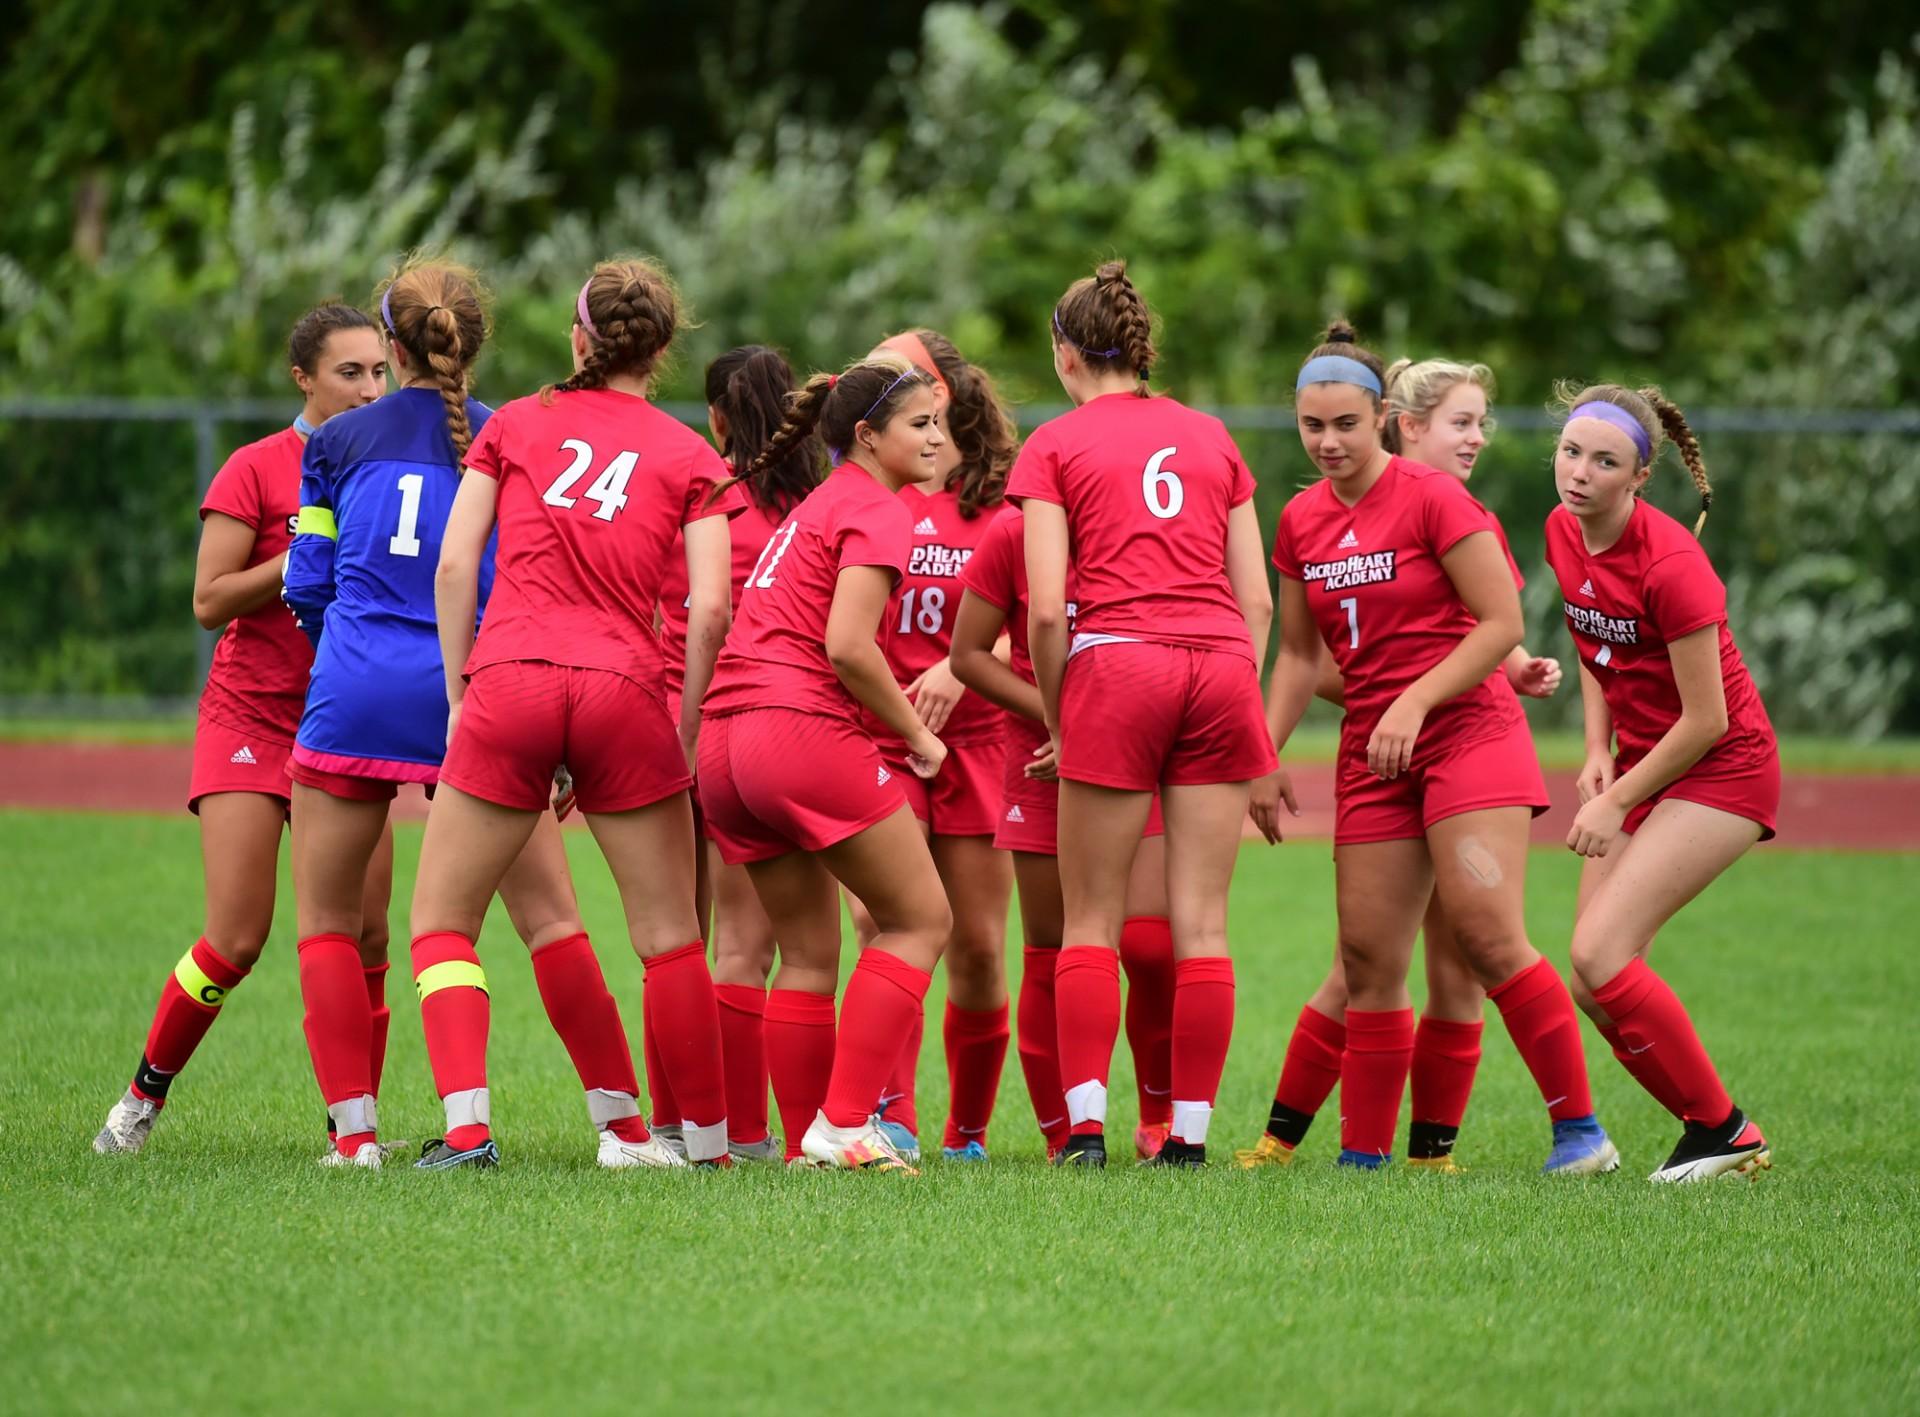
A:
1086,986
376,981
666,1108
454,1014
900,1097
1653,1023
1039,1045
1446,1055
584,1014
800,1048
976,1052
688,1019
1202,1030
884,998
1645,1069
1312,1066
1373,1074
190,1001
1146,954
339,1021
743,1058
1540,1018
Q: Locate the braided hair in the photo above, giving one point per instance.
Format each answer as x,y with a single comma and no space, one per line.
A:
749,386
1659,418
868,391
433,310
1107,321
629,311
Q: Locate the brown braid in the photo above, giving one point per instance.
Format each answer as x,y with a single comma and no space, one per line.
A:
1675,424
636,313
837,404
979,424
1658,417
1104,311
439,320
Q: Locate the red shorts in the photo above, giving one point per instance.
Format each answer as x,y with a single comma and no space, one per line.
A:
963,798
1031,819
777,780
1141,715
1448,777
521,719
1752,792
231,760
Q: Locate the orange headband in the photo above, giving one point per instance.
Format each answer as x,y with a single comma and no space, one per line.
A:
914,349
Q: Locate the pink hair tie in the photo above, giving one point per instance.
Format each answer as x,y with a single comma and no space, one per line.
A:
580,308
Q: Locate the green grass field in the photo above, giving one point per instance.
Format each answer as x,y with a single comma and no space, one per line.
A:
221,1270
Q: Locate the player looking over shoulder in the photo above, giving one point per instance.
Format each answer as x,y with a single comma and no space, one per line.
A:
796,792
249,712
1696,779
1399,572
591,487
1157,689
1437,417
747,388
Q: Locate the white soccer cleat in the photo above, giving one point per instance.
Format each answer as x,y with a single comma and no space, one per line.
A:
129,1123
674,1136
368,1156
860,1148
769,1148
618,1155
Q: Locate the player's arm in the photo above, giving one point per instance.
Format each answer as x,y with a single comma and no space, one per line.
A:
1531,675
1247,576
860,595
1047,549
224,586
1484,582
977,664
309,588
1327,683
1290,688
1702,721
709,551
456,580
1596,774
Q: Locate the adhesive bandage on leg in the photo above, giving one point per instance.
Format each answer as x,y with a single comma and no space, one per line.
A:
1482,866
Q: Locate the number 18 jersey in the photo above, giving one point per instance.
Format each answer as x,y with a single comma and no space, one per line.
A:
1147,485
776,652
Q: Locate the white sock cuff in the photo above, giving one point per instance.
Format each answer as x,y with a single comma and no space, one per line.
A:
1190,1122
604,1106
353,1116
1087,1102
472,1108
705,1143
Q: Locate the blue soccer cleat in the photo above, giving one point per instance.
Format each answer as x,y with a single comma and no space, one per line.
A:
1581,1147
1364,1160
972,1151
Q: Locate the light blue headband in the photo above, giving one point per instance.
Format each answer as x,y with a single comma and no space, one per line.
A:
1619,418
1337,369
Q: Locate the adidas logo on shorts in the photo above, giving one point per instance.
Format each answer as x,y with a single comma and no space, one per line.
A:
245,755
926,528
884,778
1014,813
1349,541
1586,589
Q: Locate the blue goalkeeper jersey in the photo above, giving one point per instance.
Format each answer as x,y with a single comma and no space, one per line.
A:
376,487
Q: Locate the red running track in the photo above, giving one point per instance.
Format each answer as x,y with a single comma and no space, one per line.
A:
1816,810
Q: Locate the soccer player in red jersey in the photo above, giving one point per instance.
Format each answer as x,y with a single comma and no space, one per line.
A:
1436,416
1400,572
995,600
747,390
797,792
590,486
1697,778
1158,688
249,711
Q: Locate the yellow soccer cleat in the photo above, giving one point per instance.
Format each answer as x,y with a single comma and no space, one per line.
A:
1268,1151
1441,1165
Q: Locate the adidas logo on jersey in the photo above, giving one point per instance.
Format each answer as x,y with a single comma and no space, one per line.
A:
926,528
1014,814
245,756
884,778
1586,589
1349,541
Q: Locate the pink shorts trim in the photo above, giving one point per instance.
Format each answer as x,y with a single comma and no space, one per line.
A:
383,769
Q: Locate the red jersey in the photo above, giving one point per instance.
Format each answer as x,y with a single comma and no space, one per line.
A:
258,682
1381,598
776,652
917,631
1147,485
750,531
1626,604
594,489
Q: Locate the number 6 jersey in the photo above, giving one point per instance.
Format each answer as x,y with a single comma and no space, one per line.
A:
376,486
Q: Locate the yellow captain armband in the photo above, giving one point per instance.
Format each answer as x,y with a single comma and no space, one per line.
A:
317,521
450,974
200,988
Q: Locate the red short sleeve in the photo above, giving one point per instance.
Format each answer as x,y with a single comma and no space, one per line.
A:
1449,514
484,456
874,534
236,492
1036,472
709,471
1684,595
989,572
1243,484
1285,559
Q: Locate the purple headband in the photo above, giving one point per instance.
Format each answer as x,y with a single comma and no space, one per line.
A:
1619,418
1093,353
580,309
386,310
910,372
